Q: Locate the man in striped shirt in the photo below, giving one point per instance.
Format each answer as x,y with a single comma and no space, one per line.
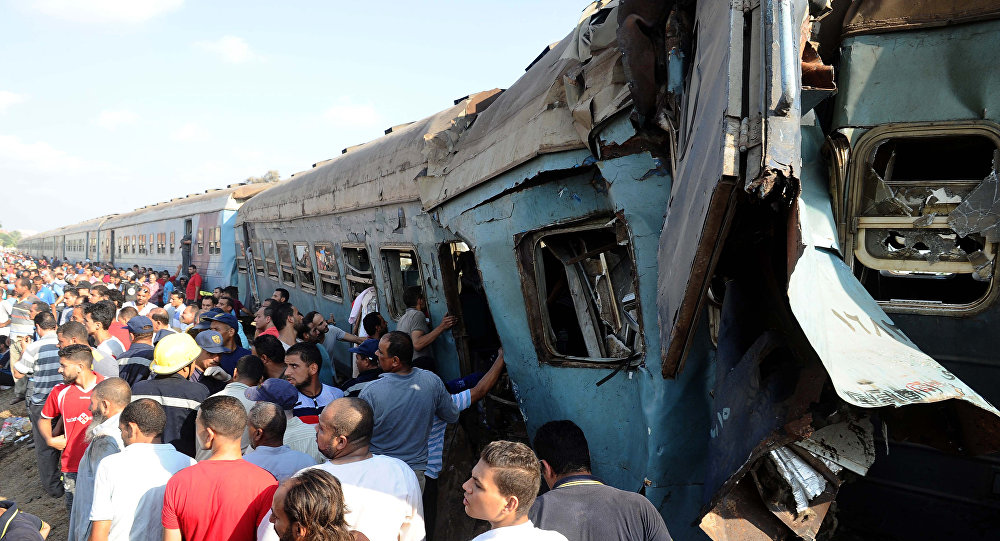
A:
435,442
40,361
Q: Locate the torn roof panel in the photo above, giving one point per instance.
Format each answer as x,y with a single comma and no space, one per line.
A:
871,362
874,16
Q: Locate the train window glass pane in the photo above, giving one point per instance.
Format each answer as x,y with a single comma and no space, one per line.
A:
911,189
272,267
329,272
142,244
285,261
133,244
201,241
172,239
357,269
587,293
241,261
304,266
218,240
401,271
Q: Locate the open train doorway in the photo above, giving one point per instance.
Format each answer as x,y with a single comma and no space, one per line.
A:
497,416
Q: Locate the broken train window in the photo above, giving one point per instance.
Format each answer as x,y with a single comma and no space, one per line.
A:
587,301
926,214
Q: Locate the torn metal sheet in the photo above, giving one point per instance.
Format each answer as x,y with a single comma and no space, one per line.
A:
804,481
871,362
874,16
980,211
850,444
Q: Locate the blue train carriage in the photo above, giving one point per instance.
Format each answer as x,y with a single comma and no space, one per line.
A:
83,241
823,262
154,236
354,222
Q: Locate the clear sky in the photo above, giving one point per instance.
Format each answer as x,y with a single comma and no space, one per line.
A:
110,105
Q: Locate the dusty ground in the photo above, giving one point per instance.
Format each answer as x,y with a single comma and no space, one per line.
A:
19,476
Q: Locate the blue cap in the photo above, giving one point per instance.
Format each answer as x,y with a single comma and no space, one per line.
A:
276,391
368,348
223,317
210,341
206,319
140,325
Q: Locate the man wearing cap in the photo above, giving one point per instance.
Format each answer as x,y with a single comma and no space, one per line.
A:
226,325
170,387
366,360
298,436
206,364
134,363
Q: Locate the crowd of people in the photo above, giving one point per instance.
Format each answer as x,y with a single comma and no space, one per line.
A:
157,415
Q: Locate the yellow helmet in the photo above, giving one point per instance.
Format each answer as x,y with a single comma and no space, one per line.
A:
173,352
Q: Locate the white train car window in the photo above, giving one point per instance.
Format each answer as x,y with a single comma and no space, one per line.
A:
201,240
241,261
173,238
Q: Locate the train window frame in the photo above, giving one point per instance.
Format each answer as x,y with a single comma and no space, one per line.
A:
328,277
286,266
218,240
258,259
241,260
270,262
627,310
133,244
142,243
354,276
856,254
392,277
173,240
304,272
201,240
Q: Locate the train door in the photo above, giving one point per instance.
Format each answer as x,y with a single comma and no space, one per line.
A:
477,341
186,245
111,247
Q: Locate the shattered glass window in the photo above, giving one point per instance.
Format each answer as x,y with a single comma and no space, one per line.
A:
304,266
927,219
329,272
285,262
357,269
591,308
401,271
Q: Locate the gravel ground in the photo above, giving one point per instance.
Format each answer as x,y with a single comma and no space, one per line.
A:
19,475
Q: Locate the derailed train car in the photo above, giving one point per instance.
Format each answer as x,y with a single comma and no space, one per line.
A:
689,243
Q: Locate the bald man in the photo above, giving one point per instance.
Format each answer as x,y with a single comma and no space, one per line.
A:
106,404
381,492
266,424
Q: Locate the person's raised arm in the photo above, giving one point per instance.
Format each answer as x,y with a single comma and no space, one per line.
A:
422,339
490,379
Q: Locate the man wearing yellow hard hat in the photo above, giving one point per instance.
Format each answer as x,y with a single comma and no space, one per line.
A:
171,388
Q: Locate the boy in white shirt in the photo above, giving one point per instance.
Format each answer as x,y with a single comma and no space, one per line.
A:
501,490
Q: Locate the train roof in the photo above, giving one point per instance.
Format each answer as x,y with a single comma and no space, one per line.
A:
376,173
228,198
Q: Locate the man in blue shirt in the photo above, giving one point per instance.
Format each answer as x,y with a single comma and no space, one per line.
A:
227,326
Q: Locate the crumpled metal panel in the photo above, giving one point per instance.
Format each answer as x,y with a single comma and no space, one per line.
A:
873,16
979,212
700,195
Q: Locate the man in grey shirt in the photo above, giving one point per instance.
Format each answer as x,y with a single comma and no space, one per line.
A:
405,400
414,323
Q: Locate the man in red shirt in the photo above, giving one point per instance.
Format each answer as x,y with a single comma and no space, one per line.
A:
71,400
223,496
194,284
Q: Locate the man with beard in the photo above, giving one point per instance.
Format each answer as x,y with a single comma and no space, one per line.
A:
71,400
106,404
311,506
381,493
302,363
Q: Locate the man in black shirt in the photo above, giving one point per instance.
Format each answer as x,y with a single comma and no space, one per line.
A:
579,505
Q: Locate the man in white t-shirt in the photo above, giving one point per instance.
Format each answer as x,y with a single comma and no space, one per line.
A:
129,485
98,318
506,509
381,493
